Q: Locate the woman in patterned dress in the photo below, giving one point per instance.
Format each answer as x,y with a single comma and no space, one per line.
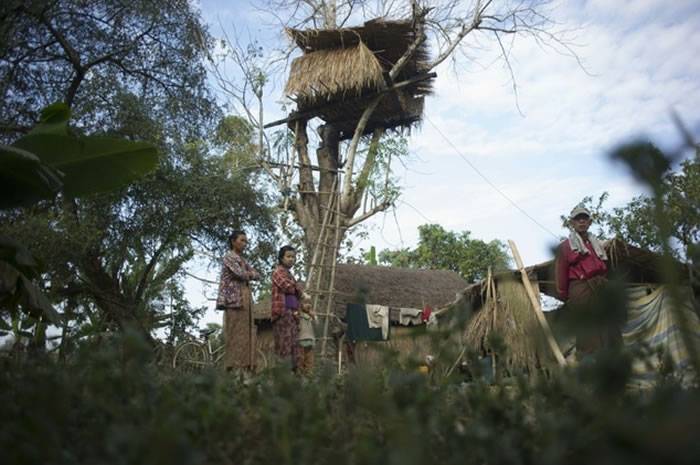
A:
236,301
286,295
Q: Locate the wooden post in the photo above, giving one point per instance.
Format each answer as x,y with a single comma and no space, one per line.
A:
536,306
341,344
494,304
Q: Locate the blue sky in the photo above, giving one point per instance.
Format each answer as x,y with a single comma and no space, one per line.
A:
641,58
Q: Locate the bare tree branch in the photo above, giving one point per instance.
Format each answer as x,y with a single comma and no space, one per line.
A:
352,151
377,209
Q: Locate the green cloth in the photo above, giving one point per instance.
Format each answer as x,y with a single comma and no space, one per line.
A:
358,325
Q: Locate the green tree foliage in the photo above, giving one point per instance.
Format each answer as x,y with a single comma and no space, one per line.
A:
49,160
100,56
447,250
234,136
39,165
679,193
116,254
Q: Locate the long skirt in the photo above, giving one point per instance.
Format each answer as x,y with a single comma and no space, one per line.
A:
286,332
240,333
595,330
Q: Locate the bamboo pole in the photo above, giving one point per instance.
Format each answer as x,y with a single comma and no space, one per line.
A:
330,301
536,306
314,258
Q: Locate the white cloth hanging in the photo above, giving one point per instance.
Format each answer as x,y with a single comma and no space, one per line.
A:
410,316
378,317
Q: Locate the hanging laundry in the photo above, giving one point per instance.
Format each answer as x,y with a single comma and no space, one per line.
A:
358,325
378,317
427,311
410,316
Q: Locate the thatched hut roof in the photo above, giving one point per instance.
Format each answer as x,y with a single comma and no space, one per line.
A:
397,287
390,286
348,71
341,70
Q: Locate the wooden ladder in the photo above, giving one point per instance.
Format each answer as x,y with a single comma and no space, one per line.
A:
321,250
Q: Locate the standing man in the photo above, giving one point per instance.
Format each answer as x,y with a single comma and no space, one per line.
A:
581,271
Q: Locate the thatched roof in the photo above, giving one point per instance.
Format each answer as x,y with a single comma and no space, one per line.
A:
507,311
397,287
341,69
348,71
390,286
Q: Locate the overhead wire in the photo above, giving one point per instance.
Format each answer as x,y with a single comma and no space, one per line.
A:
489,182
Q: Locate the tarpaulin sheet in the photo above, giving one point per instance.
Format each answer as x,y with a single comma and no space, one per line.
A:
653,324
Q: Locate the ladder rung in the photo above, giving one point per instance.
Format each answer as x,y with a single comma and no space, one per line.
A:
318,291
316,192
325,207
326,244
320,265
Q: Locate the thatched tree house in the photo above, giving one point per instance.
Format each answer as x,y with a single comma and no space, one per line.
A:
396,288
341,70
360,82
500,305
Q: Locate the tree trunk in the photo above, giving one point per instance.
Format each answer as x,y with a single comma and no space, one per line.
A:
316,205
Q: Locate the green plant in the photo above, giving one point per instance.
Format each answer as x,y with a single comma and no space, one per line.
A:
48,161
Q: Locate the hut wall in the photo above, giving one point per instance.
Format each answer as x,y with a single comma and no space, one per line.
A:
265,340
410,343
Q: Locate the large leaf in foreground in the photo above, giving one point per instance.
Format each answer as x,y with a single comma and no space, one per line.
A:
53,120
17,268
24,179
91,164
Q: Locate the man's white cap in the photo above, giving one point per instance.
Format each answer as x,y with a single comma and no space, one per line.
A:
579,211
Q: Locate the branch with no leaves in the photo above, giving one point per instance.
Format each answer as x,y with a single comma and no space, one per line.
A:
252,87
369,213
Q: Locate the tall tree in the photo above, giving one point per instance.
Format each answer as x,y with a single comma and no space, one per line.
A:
445,25
92,54
635,222
439,249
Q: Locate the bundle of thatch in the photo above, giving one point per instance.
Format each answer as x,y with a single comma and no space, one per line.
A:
342,70
507,312
319,76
